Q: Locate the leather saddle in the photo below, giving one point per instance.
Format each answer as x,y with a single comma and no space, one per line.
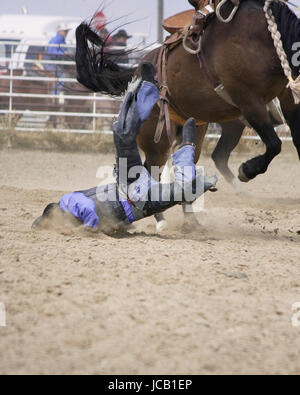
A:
176,23
190,24
186,23
196,21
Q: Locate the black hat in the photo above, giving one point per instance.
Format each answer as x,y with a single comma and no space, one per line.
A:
49,210
122,33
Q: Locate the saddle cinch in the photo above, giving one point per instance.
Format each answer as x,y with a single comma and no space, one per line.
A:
187,28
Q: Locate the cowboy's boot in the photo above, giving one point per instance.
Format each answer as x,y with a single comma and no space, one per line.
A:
183,159
135,110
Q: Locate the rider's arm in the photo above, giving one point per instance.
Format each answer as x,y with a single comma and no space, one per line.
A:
81,207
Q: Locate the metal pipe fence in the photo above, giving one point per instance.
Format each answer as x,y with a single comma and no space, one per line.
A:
38,93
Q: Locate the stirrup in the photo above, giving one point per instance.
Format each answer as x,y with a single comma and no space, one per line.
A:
188,49
231,16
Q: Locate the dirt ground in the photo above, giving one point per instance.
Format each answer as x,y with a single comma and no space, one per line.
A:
217,300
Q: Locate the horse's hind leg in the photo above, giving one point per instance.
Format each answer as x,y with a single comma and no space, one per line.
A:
257,116
231,135
291,113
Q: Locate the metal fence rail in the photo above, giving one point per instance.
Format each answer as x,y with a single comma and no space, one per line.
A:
34,97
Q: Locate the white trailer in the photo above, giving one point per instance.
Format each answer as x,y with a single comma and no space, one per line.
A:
34,27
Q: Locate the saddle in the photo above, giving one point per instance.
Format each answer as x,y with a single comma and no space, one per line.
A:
187,28
186,25
180,22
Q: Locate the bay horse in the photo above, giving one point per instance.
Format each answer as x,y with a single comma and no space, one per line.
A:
232,132
240,55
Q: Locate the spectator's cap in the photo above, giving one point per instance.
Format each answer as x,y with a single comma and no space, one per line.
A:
122,33
62,27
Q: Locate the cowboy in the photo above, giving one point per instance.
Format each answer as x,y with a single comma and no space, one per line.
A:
120,39
136,194
56,53
105,36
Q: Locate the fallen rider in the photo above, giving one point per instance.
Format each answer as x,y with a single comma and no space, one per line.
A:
135,194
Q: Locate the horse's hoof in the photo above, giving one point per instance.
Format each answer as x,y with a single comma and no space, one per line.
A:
191,224
242,175
235,184
187,228
191,227
161,226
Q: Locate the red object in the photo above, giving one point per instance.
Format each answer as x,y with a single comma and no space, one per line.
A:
99,21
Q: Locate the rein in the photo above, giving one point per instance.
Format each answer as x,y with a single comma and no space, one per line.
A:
164,116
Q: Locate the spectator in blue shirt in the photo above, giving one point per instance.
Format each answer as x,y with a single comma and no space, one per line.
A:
57,53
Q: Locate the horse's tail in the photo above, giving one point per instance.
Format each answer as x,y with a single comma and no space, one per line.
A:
97,68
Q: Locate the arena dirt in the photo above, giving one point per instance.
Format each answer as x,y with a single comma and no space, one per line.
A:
217,300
